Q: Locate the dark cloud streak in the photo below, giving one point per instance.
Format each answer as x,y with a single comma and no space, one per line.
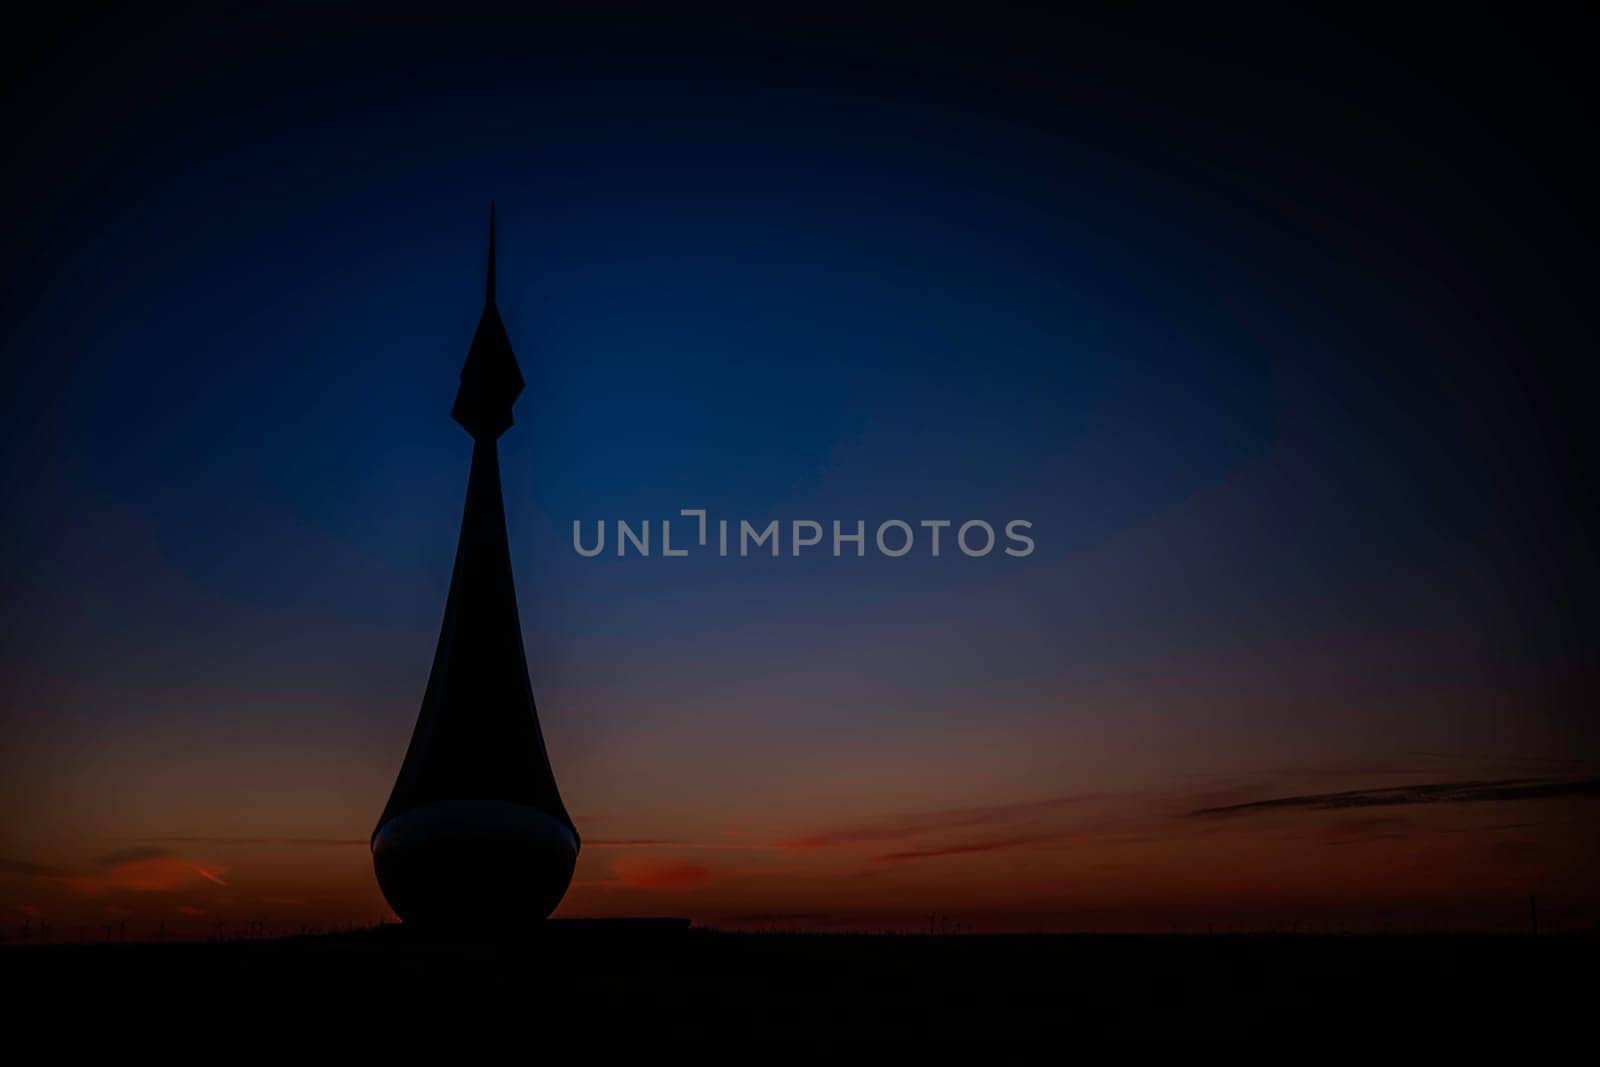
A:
1465,792
918,824
970,847
320,842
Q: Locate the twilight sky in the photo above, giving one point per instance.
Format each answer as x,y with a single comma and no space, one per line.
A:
1273,331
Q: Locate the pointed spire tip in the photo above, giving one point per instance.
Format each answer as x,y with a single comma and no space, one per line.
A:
489,287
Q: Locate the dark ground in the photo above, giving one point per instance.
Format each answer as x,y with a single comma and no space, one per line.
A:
591,971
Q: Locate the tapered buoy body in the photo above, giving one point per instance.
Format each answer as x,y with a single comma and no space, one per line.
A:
475,832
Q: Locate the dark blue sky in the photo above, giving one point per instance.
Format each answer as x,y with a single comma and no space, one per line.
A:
1267,328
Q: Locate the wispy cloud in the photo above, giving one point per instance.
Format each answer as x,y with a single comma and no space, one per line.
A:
685,844
140,870
1462,792
314,842
894,828
963,848
27,870
652,874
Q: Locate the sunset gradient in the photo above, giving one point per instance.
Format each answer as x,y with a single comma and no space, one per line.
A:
1274,356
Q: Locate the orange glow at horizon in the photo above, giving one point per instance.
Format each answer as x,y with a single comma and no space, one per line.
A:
1136,860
